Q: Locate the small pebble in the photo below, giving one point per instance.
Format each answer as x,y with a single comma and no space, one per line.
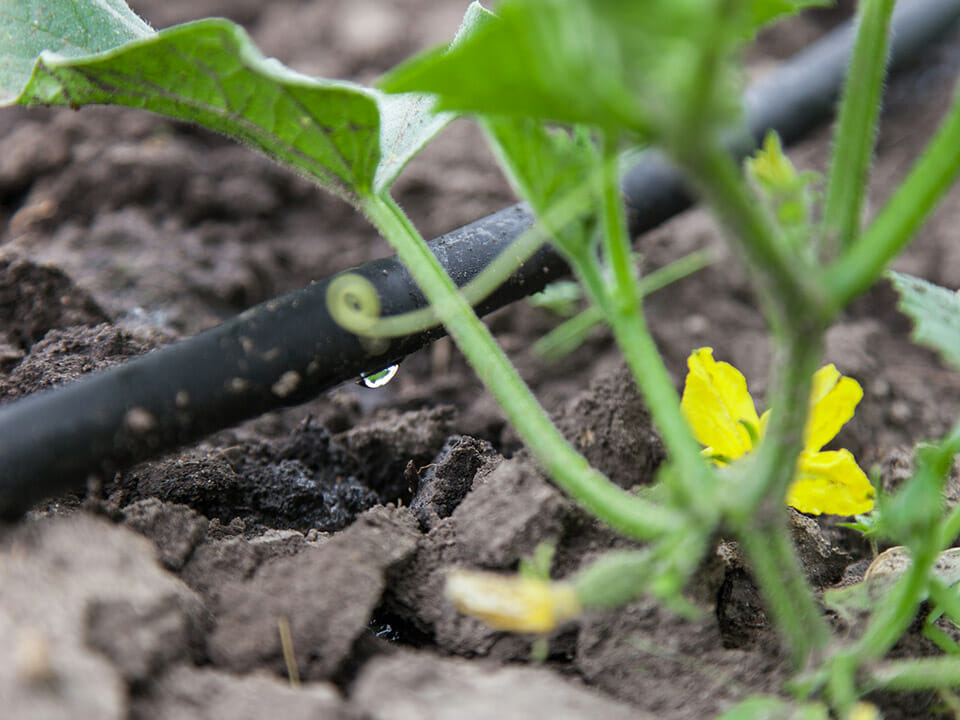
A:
899,412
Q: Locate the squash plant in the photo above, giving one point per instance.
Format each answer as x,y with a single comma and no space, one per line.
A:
561,87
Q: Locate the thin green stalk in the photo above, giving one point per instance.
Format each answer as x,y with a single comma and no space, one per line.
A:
623,511
901,217
842,684
624,313
616,240
569,334
614,579
711,39
755,502
856,127
781,579
917,674
951,528
767,478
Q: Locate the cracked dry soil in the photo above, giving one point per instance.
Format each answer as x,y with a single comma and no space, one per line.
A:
163,595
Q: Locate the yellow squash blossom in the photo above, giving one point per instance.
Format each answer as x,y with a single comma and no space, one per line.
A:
723,417
513,602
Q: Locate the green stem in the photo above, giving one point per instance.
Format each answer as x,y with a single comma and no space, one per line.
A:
623,511
842,683
614,579
764,486
918,674
697,483
898,221
950,528
856,131
755,502
781,579
569,334
616,240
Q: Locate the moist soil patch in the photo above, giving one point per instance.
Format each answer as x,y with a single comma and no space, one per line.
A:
316,540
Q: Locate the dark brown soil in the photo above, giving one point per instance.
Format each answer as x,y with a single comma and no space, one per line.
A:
166,593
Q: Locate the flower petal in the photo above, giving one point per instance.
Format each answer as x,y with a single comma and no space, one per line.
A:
833,398
717,405
513,603
830,482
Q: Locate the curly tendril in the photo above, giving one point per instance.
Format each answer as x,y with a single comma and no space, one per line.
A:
355,305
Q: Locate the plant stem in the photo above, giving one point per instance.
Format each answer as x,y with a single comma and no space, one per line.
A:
898,221
613,579
697,483
616,240
856,127
571,333
765,484
755,504
781,579
917,674
623,511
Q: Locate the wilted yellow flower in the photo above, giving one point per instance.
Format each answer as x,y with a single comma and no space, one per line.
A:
721,413
863,711
513,602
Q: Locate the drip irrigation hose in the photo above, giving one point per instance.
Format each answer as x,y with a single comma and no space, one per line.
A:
289,349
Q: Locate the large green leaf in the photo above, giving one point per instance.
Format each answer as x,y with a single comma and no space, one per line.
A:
597,62
350,139
764,12
935,312
537,59
71,29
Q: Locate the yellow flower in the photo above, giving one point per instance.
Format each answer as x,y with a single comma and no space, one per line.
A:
863,711
723,417
515,603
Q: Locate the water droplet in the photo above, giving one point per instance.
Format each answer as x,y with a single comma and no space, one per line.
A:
380,378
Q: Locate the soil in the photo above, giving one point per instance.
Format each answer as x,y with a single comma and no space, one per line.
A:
315,540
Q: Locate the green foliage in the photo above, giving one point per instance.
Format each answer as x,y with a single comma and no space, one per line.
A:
935,312
562,298
351,140
66,27
605,64
550,169
769,707
788,195
764,12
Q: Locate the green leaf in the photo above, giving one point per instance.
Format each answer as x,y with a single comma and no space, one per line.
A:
552,170
536,60
210,73
349,139
769,707
409,120
935,312
67,27
610,64
764,12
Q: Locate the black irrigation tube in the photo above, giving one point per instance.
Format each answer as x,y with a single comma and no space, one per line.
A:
287,350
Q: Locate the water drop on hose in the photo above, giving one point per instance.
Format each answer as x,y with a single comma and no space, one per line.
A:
380,378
